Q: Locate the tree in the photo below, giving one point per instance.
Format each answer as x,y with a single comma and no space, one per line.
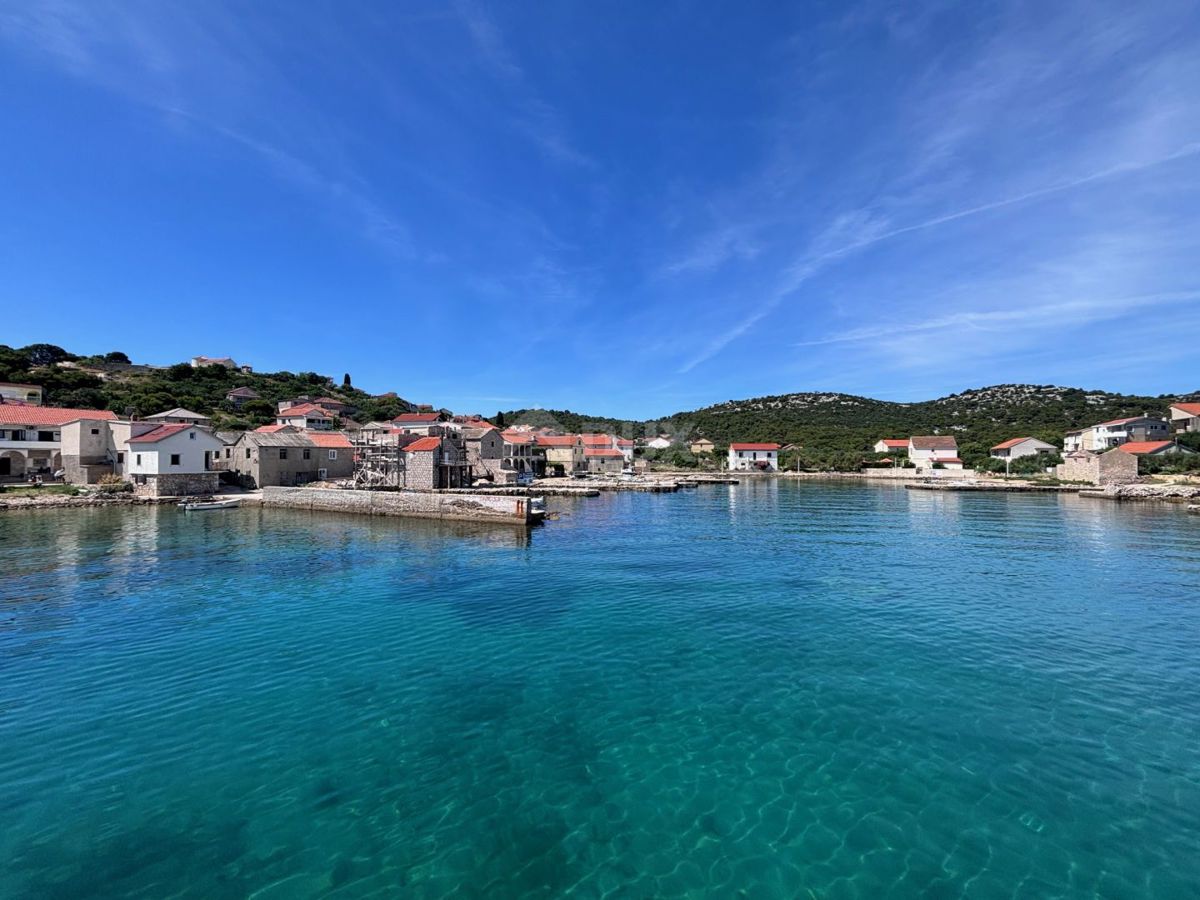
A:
499,420
117,356
346,385
181,372
46,354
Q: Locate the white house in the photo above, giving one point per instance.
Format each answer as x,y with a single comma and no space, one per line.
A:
198,361
933,448
179,416
626,447
1015,448
170,460
749,457
1153,448
20,393
1107,435
659,443
306,417
891,445
31,437
1184,416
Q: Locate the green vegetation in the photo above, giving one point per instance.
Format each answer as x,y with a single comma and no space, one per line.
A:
110,382
23,490
838,431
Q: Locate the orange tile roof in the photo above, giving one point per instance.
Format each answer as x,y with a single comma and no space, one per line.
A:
517,437
604,454
306,409
424,445
332,439
271,429
1137,448
557,440
895,443
1010,443
11,414
753,446
1192,409
417,417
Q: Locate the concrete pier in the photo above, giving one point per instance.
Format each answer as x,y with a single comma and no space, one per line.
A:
409,504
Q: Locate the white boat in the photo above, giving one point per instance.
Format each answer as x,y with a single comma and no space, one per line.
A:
196,505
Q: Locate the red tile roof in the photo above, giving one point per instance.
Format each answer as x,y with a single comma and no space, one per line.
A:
625,442
949,459
557,440
604,454
1138,448
424,445
11,414
271,429
1192,409
753,446
157,434
1010,443
517,437
895,443
1124,421
331,439
308,410
417,417
934,442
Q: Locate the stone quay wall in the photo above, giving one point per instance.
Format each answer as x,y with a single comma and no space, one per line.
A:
412,504
178,484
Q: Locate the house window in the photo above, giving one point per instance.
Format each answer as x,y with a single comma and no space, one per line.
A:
227,452
333,454
283,452
95,431
174,459
247,453
138,459
192,435
306,453
322,473
120,457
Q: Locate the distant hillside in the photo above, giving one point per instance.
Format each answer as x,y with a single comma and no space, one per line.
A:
112,382
978,418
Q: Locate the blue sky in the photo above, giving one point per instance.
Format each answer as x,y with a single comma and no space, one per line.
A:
620,208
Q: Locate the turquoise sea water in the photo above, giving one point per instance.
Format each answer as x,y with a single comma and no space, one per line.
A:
769,690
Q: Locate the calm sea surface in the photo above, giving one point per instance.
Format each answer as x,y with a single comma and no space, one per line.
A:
764,690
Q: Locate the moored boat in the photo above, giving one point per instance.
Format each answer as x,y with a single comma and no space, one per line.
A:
197,505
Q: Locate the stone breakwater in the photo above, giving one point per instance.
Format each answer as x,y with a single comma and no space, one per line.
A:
1171,493
58,501
411,504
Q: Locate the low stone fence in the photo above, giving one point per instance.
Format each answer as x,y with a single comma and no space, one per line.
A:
410,504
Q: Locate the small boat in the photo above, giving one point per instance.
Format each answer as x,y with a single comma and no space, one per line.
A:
197,505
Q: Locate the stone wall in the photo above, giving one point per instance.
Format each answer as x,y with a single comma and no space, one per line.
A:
463,507
1113,467
192,484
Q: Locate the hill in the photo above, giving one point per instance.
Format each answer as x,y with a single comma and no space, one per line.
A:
112,382
843,423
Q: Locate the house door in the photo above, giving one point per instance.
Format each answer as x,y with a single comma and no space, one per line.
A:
5,466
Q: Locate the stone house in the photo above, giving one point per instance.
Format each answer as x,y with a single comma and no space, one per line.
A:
604,461
485,454
1112,467
560,451
419,422
702,445
287,457
433,463
518,453
199,361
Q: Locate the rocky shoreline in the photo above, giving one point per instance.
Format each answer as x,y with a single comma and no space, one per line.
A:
82,501
1168,493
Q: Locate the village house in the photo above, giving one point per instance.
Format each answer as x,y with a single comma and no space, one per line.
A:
926,450
702,445
419,422
1153,448
1015,448
749,457
562,452
891,445
1185,417
604,460
241,395
1112,467
200,361
31,437
662,442
306,417
626,446
30,394
485,454
518,453
1107,435
287,457
171,460
180,416
435,463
